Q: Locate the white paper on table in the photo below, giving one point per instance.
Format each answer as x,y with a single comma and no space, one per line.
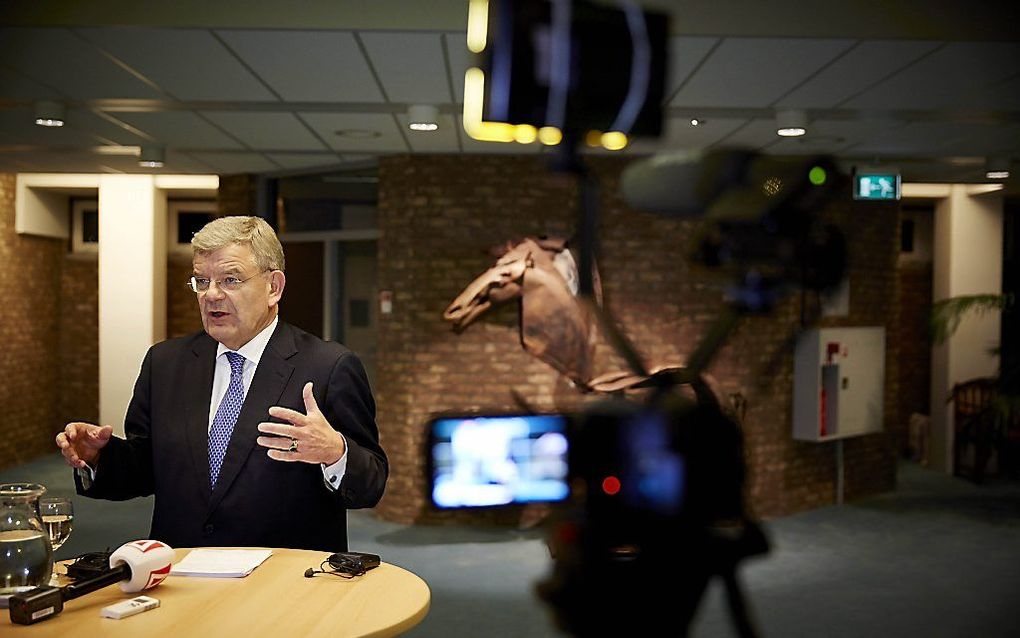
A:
220,563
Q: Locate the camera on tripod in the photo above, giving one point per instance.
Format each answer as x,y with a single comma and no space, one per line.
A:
648,493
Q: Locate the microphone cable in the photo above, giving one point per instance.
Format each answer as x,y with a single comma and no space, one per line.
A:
343,565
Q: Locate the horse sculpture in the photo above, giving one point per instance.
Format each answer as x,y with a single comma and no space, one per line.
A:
555,325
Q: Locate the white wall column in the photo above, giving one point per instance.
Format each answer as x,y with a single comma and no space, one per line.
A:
968,261
132,286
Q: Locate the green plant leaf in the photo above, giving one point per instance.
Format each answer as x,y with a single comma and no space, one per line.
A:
947,314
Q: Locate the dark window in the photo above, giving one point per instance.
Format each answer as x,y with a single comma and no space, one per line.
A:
358,313
907,236
310,215
190,222
90,226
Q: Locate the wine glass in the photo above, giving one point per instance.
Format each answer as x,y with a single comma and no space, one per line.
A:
57,516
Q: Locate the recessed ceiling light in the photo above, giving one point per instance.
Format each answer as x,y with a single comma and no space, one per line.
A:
49,113
151,156
791,123
697,121
357,133
422,117
997,168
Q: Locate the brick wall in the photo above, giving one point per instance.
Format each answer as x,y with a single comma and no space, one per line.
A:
236,195
914,304
182,316
438,215
29,319
79,338
50,332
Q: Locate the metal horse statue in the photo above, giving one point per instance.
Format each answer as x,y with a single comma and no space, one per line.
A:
555,325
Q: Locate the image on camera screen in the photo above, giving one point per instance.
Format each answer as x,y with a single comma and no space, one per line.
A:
486,461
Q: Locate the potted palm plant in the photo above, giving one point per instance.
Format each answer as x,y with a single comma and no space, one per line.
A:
987,409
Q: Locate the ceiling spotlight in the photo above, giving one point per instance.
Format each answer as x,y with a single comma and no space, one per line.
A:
997,168
696,121
151,156
791,123
422,117
49,113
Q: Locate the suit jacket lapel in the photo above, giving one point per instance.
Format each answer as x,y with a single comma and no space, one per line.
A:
198,380
267,386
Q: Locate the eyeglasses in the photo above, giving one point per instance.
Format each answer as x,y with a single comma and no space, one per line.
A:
228,284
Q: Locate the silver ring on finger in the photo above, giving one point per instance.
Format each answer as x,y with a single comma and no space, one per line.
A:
293,446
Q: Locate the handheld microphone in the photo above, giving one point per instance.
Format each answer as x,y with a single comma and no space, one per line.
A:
136,566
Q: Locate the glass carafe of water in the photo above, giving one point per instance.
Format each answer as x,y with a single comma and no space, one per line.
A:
26,558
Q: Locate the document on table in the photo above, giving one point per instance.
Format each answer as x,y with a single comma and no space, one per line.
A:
220,563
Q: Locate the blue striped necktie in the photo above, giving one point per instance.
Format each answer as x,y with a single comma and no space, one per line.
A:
226,416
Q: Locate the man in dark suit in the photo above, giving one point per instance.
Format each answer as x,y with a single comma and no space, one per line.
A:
202,403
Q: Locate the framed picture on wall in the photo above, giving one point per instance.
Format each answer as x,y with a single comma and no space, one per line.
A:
185,218
85,226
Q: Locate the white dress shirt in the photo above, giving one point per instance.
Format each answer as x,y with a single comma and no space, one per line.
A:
252,353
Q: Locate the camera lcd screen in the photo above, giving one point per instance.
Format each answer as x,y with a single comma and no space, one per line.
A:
487,461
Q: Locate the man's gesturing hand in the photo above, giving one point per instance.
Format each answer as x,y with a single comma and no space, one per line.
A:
80,443
309,438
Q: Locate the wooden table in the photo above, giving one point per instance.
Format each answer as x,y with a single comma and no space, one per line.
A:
275,600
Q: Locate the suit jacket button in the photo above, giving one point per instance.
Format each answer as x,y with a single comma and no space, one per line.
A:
209,528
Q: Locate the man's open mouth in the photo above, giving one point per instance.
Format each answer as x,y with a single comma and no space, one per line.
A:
216,314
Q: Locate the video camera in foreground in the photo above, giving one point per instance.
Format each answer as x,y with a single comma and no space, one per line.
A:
648,493
651,491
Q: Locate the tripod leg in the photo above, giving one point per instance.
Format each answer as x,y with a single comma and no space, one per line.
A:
739,611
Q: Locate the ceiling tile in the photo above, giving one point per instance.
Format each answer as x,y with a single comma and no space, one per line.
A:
925,138
180,129
959,75
170,58
231,163
387,140
62,60
679,134
1006,94
307,66
177,162
979,138
755,72
18,127
266,131
854,71
460,60
101,128
409,65
15,86
833,136
685,54
756,134
305,160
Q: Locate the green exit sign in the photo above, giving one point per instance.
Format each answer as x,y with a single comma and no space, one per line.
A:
877,186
